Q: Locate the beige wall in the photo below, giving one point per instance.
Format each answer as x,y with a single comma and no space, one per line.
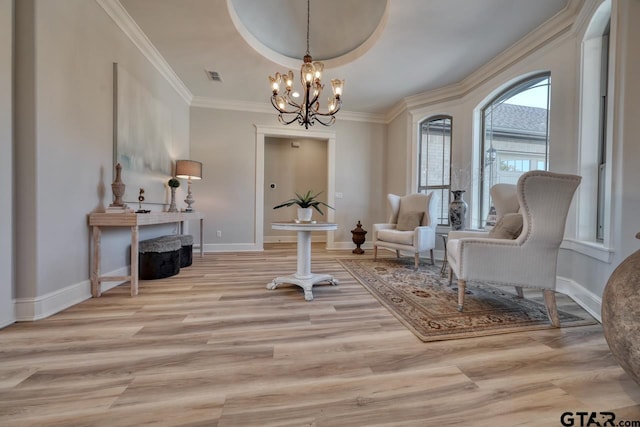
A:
225,141
64,145
7,315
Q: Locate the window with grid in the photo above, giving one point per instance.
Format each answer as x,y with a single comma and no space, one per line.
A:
515,135
435,163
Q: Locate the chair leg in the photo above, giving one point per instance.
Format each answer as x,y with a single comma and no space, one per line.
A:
552,308
375,253
397,253
433,260
519,291
450,276
416,261
462,285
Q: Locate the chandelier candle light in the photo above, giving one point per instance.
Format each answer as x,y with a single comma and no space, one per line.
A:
189,169
307,111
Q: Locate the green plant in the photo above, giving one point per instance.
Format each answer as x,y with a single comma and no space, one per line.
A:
305,201
174,183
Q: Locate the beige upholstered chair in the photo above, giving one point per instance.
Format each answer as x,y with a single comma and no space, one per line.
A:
411,226
530,260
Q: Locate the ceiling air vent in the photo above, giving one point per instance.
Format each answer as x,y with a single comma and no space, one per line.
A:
214,76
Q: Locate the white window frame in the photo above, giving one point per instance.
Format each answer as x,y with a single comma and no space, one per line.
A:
587,240
445,187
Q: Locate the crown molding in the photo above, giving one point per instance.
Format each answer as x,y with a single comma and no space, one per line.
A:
258,107
559,25
121,17
233,105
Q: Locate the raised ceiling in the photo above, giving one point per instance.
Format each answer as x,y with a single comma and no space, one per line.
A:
385,50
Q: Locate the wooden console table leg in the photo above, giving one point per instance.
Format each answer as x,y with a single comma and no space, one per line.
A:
95,273
134,260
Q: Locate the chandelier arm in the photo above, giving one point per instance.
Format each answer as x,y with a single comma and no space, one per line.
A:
293,104
306,123
289,102
315,98
331,113
331,121
284,121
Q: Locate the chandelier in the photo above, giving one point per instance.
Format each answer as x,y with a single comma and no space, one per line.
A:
307,111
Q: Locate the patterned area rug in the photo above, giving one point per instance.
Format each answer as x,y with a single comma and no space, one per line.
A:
427,305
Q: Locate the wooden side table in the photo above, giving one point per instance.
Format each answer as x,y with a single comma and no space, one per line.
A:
303,276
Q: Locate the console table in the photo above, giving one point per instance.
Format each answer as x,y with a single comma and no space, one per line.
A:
303,276
133,221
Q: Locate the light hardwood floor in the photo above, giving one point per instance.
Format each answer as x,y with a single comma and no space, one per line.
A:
213,347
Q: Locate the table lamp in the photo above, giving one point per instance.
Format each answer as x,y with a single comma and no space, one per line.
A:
189,169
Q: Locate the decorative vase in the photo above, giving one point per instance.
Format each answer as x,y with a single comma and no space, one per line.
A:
118,188
458,211
172,206
358,238
620,321
305,214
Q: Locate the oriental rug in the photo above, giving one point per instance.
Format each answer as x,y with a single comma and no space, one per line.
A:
425,303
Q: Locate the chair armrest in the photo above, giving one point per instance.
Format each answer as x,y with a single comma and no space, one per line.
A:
461,234
386,226
489,259
382,226
424,237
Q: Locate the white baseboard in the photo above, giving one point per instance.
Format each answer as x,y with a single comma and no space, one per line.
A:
586,299
292,239
30,309
228,247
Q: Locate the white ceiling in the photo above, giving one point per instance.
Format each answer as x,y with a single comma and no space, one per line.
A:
414,46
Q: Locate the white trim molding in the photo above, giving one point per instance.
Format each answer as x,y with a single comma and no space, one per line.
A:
30,309
121,17
284,132
591,249
265,108
586,299
232,247
560,25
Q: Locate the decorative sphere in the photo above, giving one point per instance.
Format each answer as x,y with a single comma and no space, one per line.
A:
620,320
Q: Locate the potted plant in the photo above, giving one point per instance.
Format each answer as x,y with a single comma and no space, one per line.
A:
305,204
173,183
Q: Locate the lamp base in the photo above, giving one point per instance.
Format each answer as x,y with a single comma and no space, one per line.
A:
189,200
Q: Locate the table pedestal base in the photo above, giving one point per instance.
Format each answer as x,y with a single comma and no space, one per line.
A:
305,283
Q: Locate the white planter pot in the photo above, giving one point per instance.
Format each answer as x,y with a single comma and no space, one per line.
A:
305,214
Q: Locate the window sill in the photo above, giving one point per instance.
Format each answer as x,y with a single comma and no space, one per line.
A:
591,249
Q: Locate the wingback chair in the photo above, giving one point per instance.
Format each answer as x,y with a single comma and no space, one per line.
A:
529,260
411,226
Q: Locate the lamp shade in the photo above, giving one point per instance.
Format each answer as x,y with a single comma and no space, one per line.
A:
188,169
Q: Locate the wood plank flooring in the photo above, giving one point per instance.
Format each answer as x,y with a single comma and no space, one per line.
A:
213,347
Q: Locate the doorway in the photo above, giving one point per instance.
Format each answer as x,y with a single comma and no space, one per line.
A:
292,166
264,132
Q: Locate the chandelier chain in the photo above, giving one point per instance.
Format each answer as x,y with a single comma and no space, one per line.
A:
306,111
308,21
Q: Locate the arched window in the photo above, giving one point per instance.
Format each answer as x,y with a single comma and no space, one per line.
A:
515,135
434,173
